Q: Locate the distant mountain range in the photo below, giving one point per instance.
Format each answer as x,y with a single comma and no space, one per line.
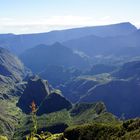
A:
42,56
128,45
22,42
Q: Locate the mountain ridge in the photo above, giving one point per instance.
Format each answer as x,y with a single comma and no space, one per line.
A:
20,43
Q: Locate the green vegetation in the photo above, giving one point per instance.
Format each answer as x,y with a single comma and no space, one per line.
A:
95,130
128,130
3,138
57,122
89,112
10,116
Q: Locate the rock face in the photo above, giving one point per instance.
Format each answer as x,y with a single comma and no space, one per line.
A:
39,91
36,91
12,71
11,66
54,102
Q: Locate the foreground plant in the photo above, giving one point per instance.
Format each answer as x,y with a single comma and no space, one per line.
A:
34,121
33,135
3,138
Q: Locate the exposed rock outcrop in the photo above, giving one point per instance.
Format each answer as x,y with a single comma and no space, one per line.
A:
40,92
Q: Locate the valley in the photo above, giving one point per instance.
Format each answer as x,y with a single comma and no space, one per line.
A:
80,83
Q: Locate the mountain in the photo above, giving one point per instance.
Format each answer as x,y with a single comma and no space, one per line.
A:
128,70
12,71
79,87
100,68
121,95
46,100
76,88
54,102
40,57
107,49
11,66
93,90
36,90
119,90
22,42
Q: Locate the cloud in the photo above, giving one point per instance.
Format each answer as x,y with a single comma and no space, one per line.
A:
44,24
106,18
137,24
55,20
17,25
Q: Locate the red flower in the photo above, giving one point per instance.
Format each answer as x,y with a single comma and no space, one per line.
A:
33,107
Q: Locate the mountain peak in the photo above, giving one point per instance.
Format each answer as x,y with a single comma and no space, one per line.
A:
127,25
36,90
57,44
47,101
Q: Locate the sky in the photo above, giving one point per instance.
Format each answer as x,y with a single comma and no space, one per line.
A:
34,16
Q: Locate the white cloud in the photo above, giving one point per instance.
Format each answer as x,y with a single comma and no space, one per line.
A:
17,25
55,20
137,24
106,18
